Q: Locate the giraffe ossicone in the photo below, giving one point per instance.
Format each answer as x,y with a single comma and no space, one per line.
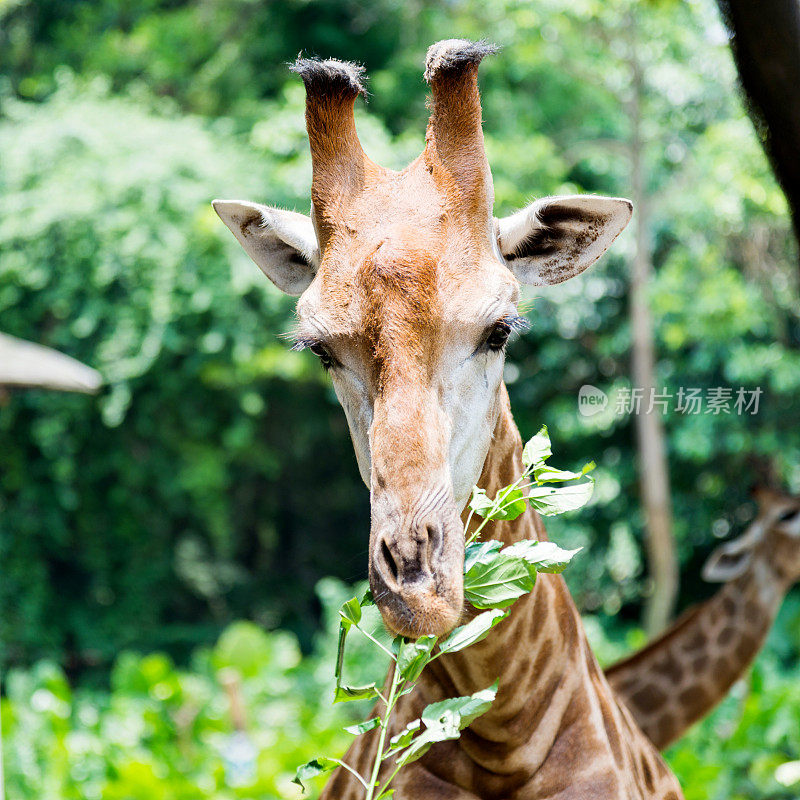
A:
408,292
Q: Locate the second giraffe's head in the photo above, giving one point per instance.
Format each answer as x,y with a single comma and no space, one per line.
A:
408,292
772,539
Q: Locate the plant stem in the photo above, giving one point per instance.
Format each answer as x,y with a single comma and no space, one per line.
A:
375,641
392,776
397,679
352,771
469,519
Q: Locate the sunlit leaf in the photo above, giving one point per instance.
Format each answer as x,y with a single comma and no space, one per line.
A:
344,694
413,656
546,473
317,766
465,709
444,721
497,583
543,556
363,727
550,500
480,502
403,739
480,551
537,449
510,503
474,631
350,612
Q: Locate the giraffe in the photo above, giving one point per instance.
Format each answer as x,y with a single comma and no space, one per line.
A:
680,676
408,290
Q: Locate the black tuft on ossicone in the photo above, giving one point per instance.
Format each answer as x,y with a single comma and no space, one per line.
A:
330,76
452,55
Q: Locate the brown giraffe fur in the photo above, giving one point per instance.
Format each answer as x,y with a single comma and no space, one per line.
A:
409,290
679,677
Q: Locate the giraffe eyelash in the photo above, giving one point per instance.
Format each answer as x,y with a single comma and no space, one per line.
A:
516,323
317,348
302,343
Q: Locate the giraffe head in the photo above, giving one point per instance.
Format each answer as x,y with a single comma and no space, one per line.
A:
773,537
408,293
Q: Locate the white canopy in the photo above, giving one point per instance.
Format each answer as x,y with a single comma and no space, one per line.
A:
30,365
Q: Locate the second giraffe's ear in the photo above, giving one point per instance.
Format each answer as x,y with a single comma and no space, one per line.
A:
282,243
729,560
556,238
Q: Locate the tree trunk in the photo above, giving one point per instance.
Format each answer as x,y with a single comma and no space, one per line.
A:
651,451
766,46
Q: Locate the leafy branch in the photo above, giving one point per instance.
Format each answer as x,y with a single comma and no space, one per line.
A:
494,578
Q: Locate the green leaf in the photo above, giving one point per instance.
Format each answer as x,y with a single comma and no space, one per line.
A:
537,450
543,556
509,504
413,656
445,720
480,502
363,727
385,794
550,500
464,709
350,612
545,473
480,551
344,694
367,599
474,631
422,743
497,583
317,766
403,739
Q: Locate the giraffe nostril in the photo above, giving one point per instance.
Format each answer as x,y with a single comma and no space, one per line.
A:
388,559
435,545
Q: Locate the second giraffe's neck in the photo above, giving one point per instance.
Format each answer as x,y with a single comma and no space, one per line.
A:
680,676
540,650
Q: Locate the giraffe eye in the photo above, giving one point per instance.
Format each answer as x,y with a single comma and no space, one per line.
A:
321,352
789,515
498,336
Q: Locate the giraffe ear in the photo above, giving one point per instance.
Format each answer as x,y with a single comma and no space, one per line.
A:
282,243
729,560
556,238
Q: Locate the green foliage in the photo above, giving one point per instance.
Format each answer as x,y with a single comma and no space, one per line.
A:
164,732
152,514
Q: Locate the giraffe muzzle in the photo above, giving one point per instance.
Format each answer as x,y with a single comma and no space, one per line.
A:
415,574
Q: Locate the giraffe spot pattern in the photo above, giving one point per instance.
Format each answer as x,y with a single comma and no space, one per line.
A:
649,697
647,774
694,696
725,636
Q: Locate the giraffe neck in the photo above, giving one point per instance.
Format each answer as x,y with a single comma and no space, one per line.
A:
554,728
680,676
538,647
